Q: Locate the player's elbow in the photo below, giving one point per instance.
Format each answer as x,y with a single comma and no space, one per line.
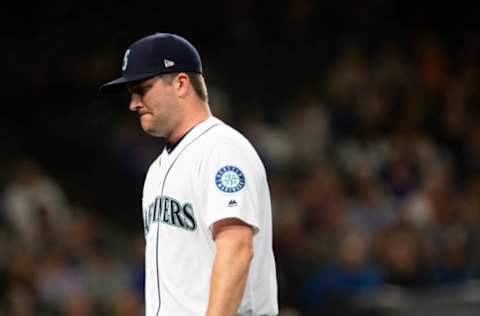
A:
239,251
234,239
245,252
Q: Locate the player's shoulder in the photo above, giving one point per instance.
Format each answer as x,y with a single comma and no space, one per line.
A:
224,145
224,135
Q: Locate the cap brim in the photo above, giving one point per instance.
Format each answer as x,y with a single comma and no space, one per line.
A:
120,84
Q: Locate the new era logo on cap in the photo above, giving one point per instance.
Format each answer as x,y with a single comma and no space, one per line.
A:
168,63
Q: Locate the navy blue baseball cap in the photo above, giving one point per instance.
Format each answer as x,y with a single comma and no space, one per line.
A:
155,54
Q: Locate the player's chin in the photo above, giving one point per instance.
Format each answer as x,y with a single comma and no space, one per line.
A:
150,128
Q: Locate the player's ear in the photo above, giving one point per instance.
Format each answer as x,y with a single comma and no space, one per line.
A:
182,83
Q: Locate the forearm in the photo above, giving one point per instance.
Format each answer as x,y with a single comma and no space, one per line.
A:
229,276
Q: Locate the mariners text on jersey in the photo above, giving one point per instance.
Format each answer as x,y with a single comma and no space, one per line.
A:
167,210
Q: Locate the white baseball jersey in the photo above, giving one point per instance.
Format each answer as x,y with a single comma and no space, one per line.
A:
212,174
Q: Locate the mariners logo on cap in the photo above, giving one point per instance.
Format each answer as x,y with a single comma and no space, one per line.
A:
125,60
230,179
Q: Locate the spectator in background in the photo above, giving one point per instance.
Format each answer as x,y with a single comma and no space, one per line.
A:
79,305
35,206
350,274
401,252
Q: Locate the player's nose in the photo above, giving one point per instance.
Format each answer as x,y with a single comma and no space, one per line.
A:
135,102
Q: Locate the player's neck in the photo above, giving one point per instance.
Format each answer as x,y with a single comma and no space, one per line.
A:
190,120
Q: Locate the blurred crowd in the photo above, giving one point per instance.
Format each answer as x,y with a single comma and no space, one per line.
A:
374,169
375,175
60,259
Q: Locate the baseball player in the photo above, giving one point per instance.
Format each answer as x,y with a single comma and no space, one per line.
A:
206,202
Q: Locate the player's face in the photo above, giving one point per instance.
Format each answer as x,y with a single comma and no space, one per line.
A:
155,102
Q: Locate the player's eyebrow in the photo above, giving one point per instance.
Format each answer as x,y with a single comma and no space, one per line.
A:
140,88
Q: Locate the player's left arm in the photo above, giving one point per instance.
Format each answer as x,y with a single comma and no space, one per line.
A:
234,251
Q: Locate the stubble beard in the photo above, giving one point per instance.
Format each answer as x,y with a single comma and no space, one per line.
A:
158,124
154,126
161,118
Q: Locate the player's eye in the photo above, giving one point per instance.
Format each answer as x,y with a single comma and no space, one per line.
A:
139,89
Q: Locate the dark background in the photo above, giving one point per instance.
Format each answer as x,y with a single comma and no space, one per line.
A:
56,54
267,58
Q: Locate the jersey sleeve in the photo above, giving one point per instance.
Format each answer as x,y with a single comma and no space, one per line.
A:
230,184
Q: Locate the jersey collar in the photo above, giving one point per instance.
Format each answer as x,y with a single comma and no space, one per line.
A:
192,134
170,147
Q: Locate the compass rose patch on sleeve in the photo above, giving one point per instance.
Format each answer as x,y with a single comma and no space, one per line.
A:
230,179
